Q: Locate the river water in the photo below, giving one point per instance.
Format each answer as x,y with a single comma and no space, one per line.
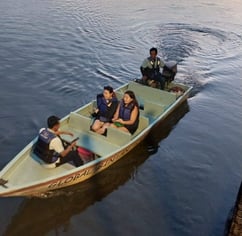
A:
182,181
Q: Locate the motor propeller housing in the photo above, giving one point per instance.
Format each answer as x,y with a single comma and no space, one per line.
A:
169,71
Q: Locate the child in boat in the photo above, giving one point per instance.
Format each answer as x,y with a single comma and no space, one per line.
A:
107,103
126,117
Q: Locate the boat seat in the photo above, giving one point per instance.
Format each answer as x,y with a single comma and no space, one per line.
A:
143,123
119,95
121,137
79,122
66,166
118,136
96,143
151,94
151,109
88,109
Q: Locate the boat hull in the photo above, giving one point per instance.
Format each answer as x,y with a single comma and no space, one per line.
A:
55,180
80,175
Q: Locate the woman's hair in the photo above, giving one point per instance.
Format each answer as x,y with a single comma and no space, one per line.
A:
132,95
108,88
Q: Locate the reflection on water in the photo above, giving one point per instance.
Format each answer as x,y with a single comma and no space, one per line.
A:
38,216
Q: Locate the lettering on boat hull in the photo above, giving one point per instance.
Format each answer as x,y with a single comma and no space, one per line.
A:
90,171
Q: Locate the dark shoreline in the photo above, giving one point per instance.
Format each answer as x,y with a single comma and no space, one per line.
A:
235,226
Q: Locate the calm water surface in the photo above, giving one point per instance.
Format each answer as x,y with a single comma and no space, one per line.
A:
57,55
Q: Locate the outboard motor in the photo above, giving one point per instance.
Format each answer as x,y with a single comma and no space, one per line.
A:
169,71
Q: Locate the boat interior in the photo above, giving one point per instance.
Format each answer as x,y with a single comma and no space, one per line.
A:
152,102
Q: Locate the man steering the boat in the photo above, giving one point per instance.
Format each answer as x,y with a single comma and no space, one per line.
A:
50,147
150,70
